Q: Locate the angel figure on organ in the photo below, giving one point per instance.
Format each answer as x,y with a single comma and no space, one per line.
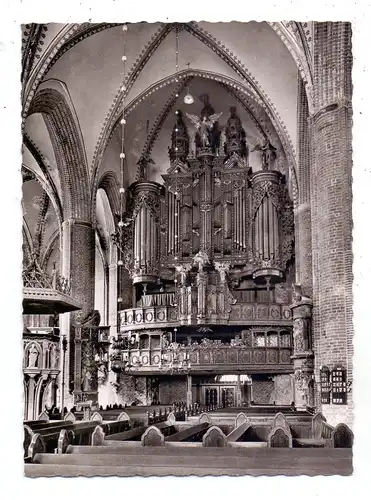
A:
204,127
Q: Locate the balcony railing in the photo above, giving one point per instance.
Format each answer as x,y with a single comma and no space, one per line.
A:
221,359
42,330
241,314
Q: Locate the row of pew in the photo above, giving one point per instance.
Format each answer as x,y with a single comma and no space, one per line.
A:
181,448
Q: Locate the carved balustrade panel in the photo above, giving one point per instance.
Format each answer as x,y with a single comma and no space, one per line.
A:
240,314
203,358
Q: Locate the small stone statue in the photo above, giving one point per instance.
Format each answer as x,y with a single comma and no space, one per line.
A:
268,153
86,385
33,354
201,259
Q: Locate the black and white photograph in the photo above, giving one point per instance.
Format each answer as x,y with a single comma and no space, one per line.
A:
187,274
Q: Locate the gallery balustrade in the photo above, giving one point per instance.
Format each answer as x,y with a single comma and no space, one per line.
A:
241,314
192,359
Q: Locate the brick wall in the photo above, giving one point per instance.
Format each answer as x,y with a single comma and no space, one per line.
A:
132,390
331,201
262,391
172,390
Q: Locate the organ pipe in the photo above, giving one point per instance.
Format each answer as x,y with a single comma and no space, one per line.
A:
146,201
266,225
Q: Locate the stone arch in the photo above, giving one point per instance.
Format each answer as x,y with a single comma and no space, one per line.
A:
110,184
25,402
39,393
299,51
47,184
48,387
248,89
27,240
54,103
45,256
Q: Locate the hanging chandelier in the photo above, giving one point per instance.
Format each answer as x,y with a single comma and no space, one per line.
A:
118,236
188,98
173,358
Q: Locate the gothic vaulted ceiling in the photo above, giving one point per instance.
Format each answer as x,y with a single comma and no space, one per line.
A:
254,66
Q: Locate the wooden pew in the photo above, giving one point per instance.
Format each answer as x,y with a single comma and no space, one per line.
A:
162,461
46,425
191,432
136,433
321,433
61,436
342,437
32,422
238,432
280,435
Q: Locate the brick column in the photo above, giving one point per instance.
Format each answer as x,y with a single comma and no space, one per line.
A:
78,265
332,205
302,212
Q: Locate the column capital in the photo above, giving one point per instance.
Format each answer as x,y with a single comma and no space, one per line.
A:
301,306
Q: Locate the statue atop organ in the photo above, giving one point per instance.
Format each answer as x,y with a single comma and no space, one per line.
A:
235,136
179,140
208,133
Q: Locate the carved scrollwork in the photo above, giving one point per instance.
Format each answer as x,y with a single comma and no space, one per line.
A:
258,194
150,200
298,335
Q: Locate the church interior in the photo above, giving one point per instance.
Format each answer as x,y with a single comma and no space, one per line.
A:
187,248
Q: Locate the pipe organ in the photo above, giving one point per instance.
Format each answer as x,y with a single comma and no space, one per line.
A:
209,252
144,266
213,204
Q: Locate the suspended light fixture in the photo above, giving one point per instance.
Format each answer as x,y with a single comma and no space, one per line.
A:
188,98
119,234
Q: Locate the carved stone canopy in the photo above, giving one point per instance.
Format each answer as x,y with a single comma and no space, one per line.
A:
235,136
179,140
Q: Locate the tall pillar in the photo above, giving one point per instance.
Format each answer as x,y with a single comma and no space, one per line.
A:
238,391
332,205
189,390
302,212
112,299
78,265
31,398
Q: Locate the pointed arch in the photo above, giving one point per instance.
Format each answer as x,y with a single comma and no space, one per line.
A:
237,87
52,100
110,184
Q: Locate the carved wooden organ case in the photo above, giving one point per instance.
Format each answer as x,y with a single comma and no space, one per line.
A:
213,222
